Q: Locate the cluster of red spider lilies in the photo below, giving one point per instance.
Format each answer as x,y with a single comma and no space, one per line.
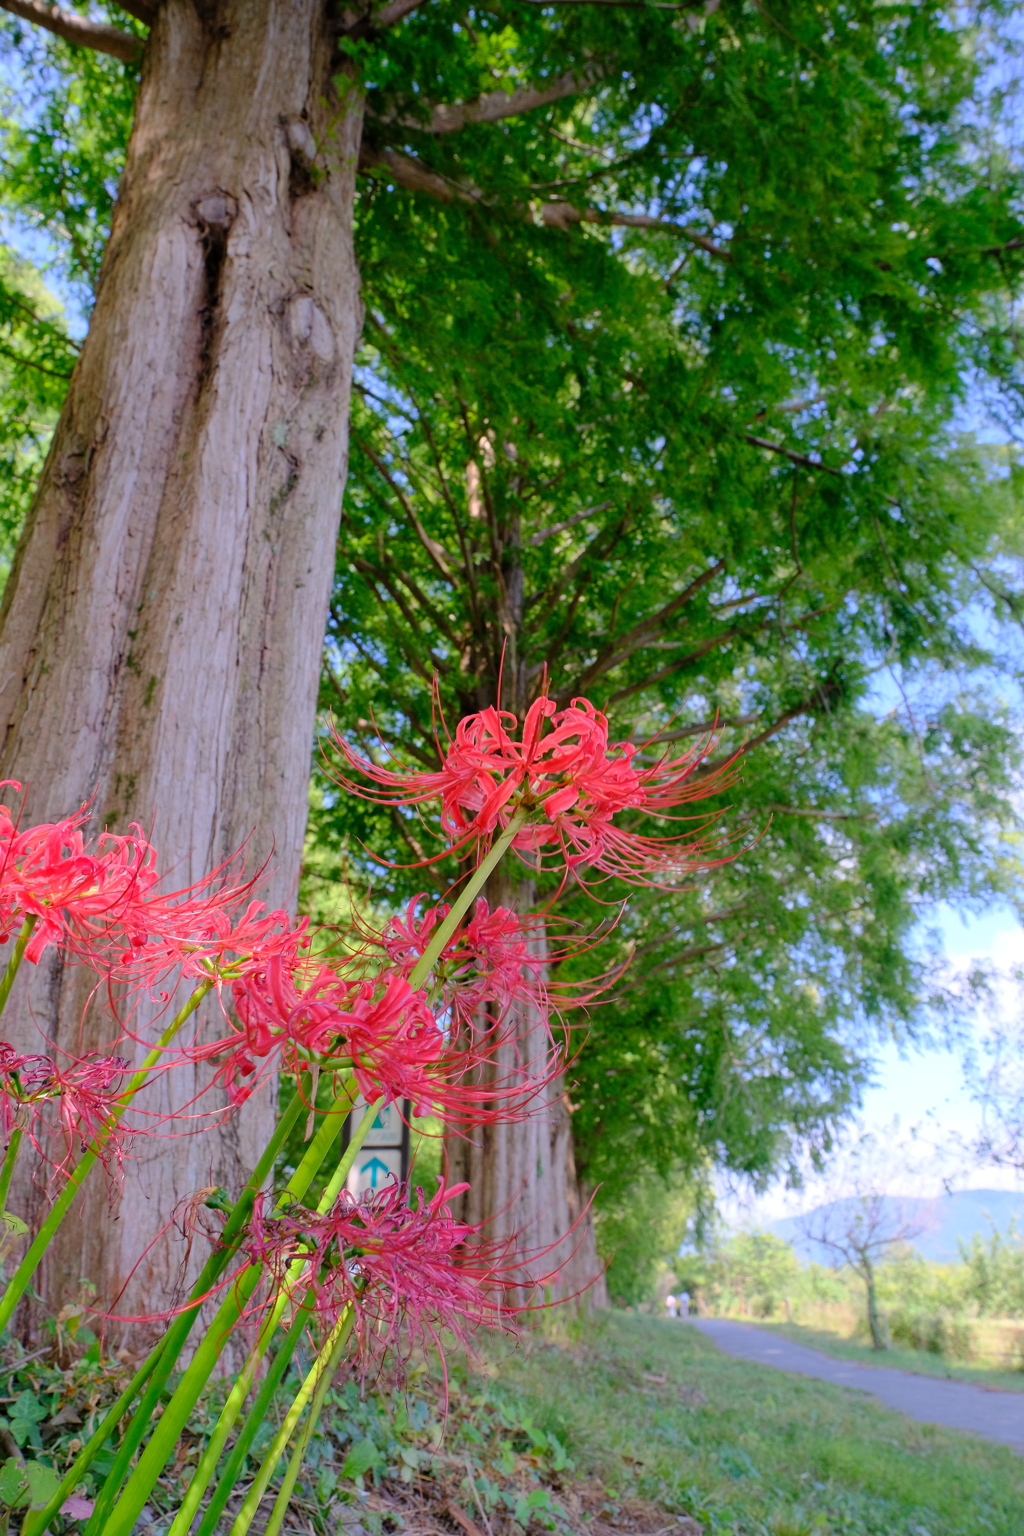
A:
415,1012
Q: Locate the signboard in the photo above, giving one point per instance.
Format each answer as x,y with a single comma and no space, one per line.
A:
384,1156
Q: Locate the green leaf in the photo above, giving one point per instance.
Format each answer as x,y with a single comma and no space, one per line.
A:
43,1483
361,1457
27,1406
540,1498
13,1481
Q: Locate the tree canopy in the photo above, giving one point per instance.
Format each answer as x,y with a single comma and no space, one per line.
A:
708,468
674,319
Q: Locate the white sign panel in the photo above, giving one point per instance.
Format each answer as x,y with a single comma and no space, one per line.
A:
387,1129
375,1168
379,1161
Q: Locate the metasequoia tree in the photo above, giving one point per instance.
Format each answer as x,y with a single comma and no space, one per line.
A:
713,488
658,173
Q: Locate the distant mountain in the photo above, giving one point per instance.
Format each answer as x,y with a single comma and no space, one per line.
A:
955,1217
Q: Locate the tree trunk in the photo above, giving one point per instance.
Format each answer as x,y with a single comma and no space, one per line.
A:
876,1322
162,627
522,1175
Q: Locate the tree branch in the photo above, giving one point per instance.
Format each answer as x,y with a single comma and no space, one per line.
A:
369,26
794,810
564,215
599,548
684,957
1016,244
790,454
819,699
412,175
570,522
673,667
79,29
709,6
495,105
26,362
437,554
700,729
377,577
624,645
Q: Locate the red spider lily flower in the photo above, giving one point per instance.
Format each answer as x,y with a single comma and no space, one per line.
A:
20,1077
564,772
78,1106
295,1008
399,1050
75,1104
77,895
489,959
196,933
404,1268
497,958
385,1028
395,1042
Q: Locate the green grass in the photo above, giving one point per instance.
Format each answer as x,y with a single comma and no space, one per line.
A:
917,1360
752,1451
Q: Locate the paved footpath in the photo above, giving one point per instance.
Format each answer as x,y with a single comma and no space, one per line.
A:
987,1411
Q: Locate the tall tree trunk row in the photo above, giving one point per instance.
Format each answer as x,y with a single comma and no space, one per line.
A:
163,623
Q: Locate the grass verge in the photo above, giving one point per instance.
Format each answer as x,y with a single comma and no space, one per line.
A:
656,1411
919,1361
630,1427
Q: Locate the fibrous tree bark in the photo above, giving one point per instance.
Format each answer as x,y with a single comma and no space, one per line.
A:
161,629
162,626
524,1196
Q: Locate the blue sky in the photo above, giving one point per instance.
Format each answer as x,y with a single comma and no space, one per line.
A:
921,1105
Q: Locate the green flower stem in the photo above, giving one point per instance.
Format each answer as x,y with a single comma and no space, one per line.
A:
176,1413
253,1419
298,1455
10,1158
180,1328
421,970
203,1474
17,955
323,1367
37,1520
76,1178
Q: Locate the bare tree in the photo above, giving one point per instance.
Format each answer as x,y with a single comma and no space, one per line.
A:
864,1226
998,1088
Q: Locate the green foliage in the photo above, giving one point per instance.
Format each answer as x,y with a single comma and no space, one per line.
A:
36,359
640,1234
559,455
67,116
755,1273
654,1411
928,1308
64,119
994,1273
47,1404
27,1484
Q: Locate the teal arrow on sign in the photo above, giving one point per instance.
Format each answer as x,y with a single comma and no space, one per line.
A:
375,1168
